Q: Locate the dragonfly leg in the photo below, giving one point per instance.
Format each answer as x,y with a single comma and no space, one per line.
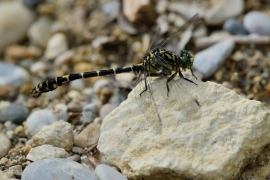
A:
146,88
168,80
192,73
181,75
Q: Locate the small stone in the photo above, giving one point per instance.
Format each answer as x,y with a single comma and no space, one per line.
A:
56,168
38,67
64,58
258,23
17,113
56,45
39,119
16,170
59,134
106,109
136,11
111,7
74,107
46,151
75,158
105,172
15,20
77,85
223,10
32,3
18,52
209,60
89,136
39,33
12,75
76,149
89,113
234,26
5,145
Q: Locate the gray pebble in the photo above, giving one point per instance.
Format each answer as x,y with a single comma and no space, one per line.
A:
76,149
89,113
39,32
234,26
74,107
16,170
209,60
17,113
5,145
12,75
56,168
39,119
257,22
32,3
77,85
105,172
15,20
117,99
75,158
57,44
106,109
223,10
111,7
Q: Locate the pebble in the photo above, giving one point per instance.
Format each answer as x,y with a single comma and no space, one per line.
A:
16,112
38,67
77,85
223,10
56,45
209,60
64,58
74,107
257,22
106,109
15,20
61,110
39,119
12,75
111,7
56,168
89,113
32,3
76,149
19,52
16,170
5,145
89,136
39,33
75,158
46,151
117,98
105,172
59,134
234,26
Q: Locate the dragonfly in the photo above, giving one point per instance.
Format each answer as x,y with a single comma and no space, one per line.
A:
157,62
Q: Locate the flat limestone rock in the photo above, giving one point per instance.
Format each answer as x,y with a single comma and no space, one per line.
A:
175,138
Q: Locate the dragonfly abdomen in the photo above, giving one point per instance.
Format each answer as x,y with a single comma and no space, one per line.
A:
53,83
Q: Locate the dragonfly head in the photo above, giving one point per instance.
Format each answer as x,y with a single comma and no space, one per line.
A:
187,59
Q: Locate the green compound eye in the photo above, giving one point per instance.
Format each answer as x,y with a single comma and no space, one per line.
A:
185,62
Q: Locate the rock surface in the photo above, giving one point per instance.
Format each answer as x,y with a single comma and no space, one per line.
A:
46,151
211,141
59,134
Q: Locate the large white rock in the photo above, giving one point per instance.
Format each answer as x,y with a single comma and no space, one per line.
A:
211,141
